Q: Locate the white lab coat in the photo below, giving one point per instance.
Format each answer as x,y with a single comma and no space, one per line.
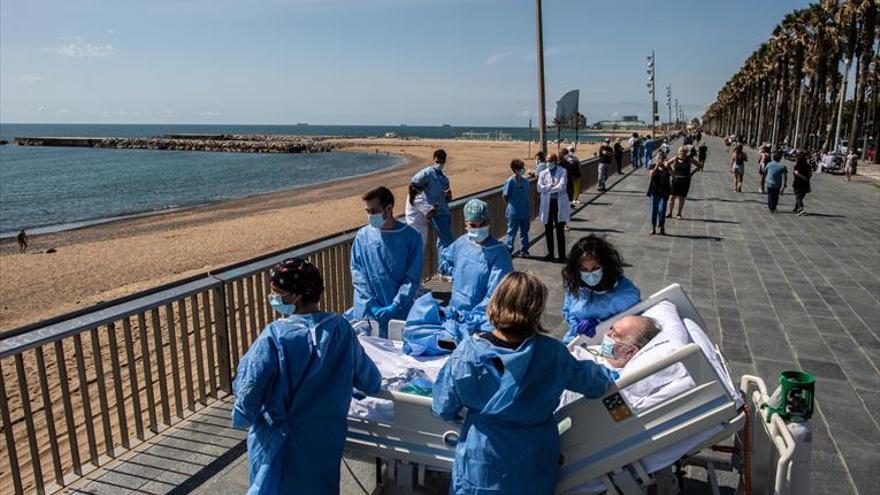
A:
417,215
546,187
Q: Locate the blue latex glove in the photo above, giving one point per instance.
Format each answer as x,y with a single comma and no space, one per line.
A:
615,374
587,327
383,314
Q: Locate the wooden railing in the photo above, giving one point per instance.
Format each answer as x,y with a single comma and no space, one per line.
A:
82,388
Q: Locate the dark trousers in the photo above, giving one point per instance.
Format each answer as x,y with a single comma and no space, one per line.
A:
554,223
618,157
799,200
658,210
772,197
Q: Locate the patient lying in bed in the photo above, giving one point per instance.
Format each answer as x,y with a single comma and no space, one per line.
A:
637,342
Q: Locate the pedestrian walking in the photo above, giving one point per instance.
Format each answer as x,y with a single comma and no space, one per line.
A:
605,154
555,209
801,184
777,180
634,149
738,166
618,155
649,151
763,159
702,152
680,170
851,163
22,240
658,192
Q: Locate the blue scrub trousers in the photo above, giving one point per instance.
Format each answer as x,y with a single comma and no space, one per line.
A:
521,225
443,228
636,158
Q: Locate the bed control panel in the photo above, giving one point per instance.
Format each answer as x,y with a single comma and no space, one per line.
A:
616,407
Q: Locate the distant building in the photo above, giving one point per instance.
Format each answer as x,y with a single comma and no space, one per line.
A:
630,118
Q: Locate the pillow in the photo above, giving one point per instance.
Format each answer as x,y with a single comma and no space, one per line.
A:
699,337
668,382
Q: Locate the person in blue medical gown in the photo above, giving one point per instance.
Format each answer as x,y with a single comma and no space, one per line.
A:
595,287
519,212
509,381
294,386
477,262
438,192
386,263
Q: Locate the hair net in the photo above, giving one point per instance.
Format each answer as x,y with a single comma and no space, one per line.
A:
476,210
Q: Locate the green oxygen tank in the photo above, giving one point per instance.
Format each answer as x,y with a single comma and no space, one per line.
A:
793,400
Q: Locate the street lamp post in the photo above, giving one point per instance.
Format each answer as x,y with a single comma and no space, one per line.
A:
542,113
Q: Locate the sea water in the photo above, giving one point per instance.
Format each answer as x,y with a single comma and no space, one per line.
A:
46,189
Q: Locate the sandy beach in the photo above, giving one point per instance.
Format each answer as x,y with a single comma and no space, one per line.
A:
106,261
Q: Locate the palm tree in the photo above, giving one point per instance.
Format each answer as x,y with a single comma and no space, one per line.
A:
867,12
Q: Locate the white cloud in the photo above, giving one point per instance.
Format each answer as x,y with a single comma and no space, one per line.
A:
40,109
80,49
62,112
499,56
29,78
211,114
110,31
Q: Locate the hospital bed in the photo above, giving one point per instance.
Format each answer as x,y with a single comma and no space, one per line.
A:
606,444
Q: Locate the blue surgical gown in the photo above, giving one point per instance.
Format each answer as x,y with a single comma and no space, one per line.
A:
516,192
292,392
435,184
510,442
386,268
476,270
597,305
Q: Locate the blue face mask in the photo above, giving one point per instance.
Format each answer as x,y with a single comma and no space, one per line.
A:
478,234
592,278
279,306
376,221
608,347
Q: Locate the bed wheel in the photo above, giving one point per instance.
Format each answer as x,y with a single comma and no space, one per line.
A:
450,438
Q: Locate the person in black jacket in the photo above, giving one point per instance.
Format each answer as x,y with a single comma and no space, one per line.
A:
618,155
801,185
658,191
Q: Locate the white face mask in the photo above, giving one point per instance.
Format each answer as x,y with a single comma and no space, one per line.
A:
376,221
478,234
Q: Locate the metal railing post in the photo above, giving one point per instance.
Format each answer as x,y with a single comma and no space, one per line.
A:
221,332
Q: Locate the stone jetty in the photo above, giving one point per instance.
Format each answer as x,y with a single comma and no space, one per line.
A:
237,143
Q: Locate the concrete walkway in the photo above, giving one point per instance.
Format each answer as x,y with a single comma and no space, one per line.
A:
778,292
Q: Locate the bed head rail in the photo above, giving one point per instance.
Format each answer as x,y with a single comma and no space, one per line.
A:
600,436
673,293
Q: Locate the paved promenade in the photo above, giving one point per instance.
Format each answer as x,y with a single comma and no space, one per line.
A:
778,292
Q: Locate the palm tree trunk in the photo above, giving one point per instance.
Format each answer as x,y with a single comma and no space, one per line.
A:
797,116
840,105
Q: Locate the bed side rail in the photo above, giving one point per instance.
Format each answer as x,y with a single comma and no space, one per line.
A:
599,436
772,443
414,435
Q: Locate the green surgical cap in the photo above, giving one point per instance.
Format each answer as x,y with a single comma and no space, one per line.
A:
476,210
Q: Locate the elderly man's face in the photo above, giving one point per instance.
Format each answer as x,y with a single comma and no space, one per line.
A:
623,332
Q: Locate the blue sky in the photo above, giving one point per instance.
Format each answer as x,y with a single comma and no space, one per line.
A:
465,62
